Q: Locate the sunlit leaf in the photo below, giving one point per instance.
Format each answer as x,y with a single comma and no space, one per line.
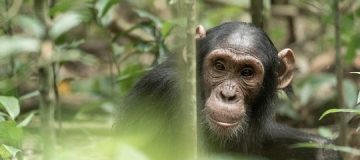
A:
11,150
10,133
4,153
30,95
18,44
329,146
30,25
64,23
172,2
357,111
166,28
105,6
128,152
11,105
27,120
104,11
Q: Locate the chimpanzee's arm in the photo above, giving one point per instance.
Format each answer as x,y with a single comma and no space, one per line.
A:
279,138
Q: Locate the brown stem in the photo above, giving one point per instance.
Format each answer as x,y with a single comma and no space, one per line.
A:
256,8
339,77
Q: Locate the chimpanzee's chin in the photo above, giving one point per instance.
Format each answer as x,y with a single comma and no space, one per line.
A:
226,130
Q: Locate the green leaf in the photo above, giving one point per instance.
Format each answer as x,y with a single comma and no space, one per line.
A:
30,95
104,6
329,146
10,151
129,75
166,28
305,93
27,120
4,153
326,132
144,14
30,25
3,114
311,84
64,23
18,44
352,46
11,105
357,111
355,72
10,133
350,93
83,7
73,55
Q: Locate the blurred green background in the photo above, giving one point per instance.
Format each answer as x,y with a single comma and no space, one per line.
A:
97,49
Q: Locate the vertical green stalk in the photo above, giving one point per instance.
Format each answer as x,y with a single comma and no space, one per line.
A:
339,76
47,104
189,94
47,109
8,30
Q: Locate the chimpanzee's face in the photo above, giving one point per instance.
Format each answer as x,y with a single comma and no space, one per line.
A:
240,69
232,79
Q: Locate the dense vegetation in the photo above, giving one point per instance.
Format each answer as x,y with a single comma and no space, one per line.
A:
65,64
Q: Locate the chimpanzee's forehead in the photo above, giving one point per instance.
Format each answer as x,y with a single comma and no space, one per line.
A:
241,36
243,43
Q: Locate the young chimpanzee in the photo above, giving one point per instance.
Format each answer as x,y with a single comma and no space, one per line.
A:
239,74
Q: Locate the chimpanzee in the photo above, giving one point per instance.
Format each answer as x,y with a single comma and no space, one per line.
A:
239,74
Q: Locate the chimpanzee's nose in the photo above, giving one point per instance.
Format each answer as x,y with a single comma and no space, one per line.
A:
228,96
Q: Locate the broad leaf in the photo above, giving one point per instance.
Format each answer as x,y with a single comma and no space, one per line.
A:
10,133
103,6
27,120
73,55
11,105
18,44
64,23
8,150
30,25
4,153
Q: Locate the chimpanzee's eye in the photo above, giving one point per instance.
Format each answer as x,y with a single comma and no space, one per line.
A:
247,72
219,66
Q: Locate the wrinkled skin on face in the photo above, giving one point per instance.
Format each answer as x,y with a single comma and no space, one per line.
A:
232,80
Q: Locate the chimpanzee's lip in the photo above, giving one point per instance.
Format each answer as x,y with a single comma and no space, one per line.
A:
224,124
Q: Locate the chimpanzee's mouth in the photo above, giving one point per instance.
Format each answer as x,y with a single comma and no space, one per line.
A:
223,124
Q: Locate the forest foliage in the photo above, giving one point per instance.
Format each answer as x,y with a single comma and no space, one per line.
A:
82,56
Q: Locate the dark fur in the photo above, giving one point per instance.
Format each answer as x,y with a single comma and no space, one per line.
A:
159,90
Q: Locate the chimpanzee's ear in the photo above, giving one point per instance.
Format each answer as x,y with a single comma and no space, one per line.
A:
200,32
287,66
